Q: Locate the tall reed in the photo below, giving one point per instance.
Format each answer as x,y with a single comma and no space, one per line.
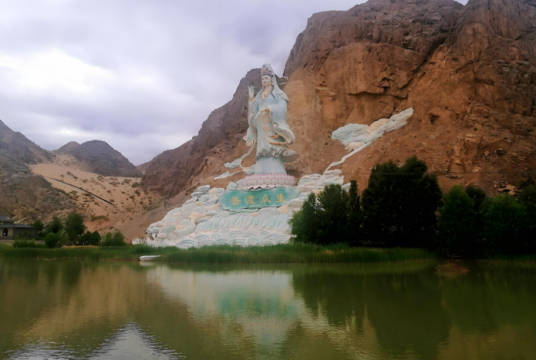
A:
278,254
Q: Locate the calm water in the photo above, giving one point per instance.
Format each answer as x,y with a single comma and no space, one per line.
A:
65,310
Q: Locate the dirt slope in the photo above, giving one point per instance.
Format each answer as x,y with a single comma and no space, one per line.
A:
125,207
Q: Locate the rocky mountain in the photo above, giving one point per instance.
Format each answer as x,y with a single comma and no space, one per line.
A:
98,157
18,148
218,140
25,195
143,167
468,71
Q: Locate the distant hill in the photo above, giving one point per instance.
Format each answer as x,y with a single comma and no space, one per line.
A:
23,195
68,148
19,148
98,157
143,167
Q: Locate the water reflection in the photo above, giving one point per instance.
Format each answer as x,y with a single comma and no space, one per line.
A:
388,311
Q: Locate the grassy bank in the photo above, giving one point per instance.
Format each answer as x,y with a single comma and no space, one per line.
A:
279,254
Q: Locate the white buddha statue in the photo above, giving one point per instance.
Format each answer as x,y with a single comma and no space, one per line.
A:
267,118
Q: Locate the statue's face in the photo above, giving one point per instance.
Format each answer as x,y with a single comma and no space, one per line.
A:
266,80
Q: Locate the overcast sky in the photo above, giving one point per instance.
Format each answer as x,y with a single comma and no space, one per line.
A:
141,75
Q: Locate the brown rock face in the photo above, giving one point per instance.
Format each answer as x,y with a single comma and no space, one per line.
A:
469,73
219,139
98,157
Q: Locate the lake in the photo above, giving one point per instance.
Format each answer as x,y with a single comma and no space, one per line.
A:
111,310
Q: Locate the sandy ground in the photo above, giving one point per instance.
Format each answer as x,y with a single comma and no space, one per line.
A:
132,211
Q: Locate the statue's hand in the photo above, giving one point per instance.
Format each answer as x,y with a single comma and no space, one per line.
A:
251,91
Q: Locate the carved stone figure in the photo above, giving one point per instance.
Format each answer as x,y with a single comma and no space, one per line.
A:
267,118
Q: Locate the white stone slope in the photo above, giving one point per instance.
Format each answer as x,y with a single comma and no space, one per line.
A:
202,221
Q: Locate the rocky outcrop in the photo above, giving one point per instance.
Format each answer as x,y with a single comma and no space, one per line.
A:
469,72
219,139
98,157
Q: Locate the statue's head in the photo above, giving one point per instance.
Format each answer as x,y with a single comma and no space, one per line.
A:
266,74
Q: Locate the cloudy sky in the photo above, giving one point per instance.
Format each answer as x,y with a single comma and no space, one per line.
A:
141,75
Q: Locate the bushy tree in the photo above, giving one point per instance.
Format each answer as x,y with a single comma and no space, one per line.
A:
115,239
323,220
74,226
400,205
38,226
477,195
55,226
457,232
505,226
52,240
90,238
353,230
303,224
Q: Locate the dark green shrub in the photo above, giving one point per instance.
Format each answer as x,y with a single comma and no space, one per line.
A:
400,205
26,244
528,199
90,238
115,239
135,185
457,232
323,220
477,195
55,226
52,240
505,226
74,226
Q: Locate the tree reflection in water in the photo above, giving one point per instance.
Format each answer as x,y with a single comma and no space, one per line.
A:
382,311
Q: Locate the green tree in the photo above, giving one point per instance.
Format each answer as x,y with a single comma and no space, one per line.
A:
55,226
74,226
353,231
95,238
303,224
323,220
505,226
38,226
477,195
90,238
400,205
115,239
528,199
52,240
457,224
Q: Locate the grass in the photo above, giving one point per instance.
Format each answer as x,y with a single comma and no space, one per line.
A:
278,254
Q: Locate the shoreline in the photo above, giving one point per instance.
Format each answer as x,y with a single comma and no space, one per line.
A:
226,254
277,254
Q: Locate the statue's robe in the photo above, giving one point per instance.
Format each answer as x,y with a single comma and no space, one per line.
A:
272,133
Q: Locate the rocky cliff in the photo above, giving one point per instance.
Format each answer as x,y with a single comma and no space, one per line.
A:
469,72
98,157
